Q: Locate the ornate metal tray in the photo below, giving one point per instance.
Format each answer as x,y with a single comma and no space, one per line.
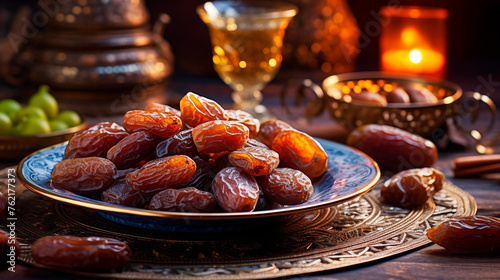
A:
354,232
350,174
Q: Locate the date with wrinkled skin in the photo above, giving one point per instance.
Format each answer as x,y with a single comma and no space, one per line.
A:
157,107
132,149
120,193
197,109
202,176
412,187
392,148
162,173
468,235
180,144
270,129
255,161
245,118
158,123
287,186
81,253
252,142
219,136
300,151
187,199
220,163
265,203
83,175
235,190
94,141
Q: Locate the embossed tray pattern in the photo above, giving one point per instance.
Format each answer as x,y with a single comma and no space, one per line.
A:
354,232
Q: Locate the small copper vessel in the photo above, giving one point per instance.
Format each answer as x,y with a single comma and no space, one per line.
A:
98,57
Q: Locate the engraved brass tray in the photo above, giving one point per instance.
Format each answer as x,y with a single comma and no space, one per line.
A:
354,232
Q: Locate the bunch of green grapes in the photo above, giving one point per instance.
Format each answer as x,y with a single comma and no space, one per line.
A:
40,115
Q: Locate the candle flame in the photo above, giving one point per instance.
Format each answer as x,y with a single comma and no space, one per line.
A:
415,56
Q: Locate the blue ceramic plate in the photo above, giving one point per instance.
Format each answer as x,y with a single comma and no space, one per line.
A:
350,174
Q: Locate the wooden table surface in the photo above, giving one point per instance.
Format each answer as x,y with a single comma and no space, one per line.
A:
430,262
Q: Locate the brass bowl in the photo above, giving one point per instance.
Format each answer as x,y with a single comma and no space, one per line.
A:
17,147
418,118
426,120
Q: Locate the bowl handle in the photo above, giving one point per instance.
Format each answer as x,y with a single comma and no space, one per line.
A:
161,44
298,89
472,108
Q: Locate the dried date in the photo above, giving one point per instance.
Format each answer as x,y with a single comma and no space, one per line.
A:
245,118
412,188
235,190
202,176
132,149
81,253
157,107
300,151
252,142
196,110
158,123
219,136
469,234
183,200
95,141
83,175
398,95
180,144
287,186
392,148
270,129
419,94
368,97
162,173
121,193
265,203
255,161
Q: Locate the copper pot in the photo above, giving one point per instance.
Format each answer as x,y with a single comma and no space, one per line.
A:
94,51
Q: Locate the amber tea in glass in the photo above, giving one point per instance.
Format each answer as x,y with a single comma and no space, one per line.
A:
247,38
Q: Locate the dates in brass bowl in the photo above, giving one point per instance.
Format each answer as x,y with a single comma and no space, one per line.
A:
415,117
416,104
17,147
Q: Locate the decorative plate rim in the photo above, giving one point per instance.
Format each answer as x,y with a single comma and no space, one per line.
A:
98,205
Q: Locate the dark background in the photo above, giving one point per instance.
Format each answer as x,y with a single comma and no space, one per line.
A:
474,33
474,30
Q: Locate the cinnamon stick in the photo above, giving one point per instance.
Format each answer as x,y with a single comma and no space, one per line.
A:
475,161
477,170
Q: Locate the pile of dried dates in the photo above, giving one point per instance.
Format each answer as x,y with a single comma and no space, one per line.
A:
399,95
202,158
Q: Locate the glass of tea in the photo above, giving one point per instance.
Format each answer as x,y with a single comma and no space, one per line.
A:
247,38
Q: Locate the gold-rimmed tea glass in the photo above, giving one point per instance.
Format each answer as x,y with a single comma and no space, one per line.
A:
247,38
